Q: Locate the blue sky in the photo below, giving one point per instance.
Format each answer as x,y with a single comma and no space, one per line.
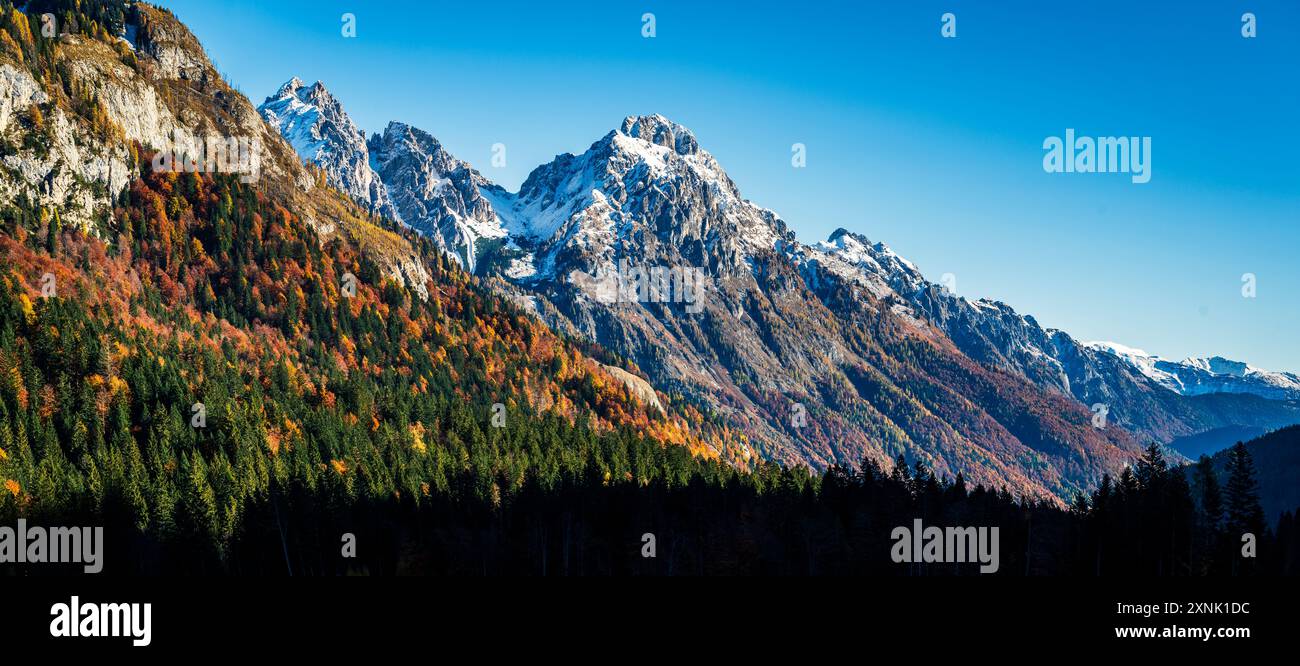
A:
931,145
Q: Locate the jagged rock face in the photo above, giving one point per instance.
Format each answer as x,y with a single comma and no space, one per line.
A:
313,122
18,91
77,172
61,173
645,192
403,174
436,193
175,52
169,99
175,99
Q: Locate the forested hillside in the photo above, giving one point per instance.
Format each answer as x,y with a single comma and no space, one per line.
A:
214,295
1277,461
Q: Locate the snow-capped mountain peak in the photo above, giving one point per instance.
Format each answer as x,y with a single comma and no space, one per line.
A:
438,194
648,173
290,87
321,132
875,258
1198,376
660,131
645,186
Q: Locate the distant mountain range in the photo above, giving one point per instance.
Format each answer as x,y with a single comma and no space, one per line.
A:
1201,376
1211,399
820,353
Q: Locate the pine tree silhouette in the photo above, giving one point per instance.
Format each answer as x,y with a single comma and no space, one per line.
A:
1244,511
1245,516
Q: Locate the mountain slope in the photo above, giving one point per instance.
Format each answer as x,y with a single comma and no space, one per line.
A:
997,336
757,347
870,382
1201,376
436,193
